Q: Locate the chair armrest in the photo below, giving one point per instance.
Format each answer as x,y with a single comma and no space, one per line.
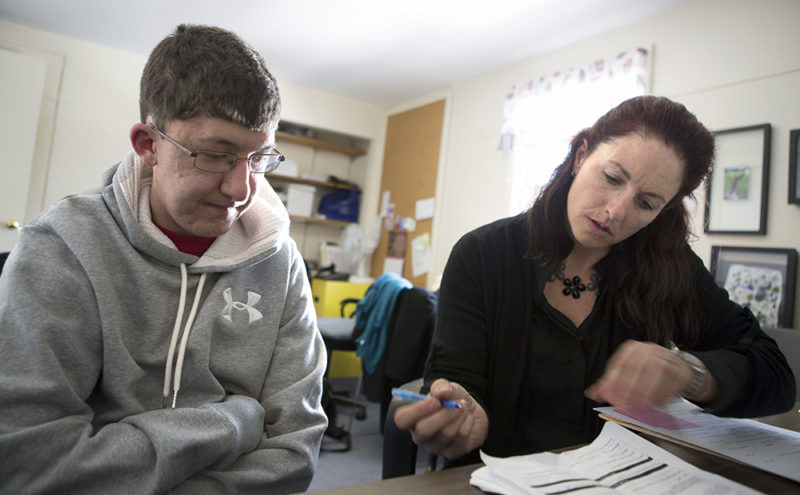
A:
343,303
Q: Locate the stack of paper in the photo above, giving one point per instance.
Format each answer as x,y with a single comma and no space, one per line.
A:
617,462
748,441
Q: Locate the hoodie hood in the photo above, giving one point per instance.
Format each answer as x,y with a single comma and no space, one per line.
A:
256,235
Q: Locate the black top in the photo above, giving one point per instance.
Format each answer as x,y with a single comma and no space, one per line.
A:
528,365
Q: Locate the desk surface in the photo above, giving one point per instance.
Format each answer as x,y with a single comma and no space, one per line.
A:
456,480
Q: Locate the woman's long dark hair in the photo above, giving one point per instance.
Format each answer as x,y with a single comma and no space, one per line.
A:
650,272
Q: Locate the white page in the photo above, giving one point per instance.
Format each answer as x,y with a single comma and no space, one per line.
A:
617,462
393,265
421,259
767,447
424,208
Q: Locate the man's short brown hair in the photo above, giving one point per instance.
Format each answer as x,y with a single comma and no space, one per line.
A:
208,70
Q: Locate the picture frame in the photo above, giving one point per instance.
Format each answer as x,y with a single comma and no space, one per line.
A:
794,162
762,279
736,191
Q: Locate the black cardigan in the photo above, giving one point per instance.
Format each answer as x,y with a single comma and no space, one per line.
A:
528,365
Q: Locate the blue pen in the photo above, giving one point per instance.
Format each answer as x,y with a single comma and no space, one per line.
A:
408,395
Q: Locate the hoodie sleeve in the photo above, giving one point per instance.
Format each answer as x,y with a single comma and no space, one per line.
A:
294,422
51,363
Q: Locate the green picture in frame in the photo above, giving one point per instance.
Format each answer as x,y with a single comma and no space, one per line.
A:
737,183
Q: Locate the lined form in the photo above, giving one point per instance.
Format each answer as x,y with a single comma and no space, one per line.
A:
617,462
764,446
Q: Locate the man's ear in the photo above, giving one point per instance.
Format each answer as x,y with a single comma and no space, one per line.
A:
580,155
142,141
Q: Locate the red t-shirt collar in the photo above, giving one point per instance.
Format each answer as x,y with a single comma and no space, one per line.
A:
190,244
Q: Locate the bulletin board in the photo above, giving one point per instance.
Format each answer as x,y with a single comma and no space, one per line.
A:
410,166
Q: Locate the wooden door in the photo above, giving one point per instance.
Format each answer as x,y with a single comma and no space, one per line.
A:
410,166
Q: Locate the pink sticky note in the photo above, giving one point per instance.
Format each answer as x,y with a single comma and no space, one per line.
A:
657,419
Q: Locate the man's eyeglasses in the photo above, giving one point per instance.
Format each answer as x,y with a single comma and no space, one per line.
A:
220,162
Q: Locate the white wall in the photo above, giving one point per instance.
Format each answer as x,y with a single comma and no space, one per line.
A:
92,99
732,62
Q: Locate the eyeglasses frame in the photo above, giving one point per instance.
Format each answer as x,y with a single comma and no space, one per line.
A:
194,154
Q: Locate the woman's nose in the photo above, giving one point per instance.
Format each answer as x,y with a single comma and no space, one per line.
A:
617,208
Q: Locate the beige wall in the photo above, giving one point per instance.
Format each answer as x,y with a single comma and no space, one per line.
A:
733,62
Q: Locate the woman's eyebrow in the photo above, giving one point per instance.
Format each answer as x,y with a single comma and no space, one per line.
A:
622,169
628,176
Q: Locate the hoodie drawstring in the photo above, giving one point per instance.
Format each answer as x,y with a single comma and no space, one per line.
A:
176,385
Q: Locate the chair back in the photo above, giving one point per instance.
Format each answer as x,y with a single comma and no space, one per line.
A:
788,340
399,450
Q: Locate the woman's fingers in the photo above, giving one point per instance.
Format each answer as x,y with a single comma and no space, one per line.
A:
640,374
444,431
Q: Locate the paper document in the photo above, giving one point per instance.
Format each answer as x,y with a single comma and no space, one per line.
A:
421,260
748,441
424,208
618,461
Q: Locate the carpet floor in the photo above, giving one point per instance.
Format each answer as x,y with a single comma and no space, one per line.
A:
363,462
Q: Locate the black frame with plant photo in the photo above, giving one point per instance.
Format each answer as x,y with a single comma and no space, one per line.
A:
751,281
736,192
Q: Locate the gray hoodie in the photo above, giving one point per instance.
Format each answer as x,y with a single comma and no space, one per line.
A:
127,366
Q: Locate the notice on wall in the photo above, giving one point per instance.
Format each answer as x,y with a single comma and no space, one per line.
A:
386,198
421,259
393,265
424,208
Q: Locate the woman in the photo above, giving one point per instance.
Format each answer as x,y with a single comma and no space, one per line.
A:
585,300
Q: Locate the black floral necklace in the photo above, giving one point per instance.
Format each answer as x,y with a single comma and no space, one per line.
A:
573,286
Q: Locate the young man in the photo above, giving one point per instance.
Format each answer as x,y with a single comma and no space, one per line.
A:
159,335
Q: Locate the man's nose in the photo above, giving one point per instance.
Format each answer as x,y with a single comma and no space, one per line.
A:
236,181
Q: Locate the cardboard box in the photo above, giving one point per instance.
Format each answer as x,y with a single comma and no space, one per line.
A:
300,199
288,168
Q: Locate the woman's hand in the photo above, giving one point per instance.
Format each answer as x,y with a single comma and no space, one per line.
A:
641,374
441,431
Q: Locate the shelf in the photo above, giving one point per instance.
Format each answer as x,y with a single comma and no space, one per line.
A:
318,143
338,223
309,182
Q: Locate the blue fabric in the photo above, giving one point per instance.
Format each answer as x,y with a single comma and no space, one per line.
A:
373,313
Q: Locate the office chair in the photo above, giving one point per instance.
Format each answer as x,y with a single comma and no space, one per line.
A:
789,343
408,337
337,333
399,451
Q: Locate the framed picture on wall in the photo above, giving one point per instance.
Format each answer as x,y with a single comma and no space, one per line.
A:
794,175
763,279
737,188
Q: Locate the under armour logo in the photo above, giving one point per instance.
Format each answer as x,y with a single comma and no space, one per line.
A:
252,298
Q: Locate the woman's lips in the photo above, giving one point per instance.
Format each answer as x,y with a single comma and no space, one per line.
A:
598,228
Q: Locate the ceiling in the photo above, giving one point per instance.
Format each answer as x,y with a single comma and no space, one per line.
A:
382,52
